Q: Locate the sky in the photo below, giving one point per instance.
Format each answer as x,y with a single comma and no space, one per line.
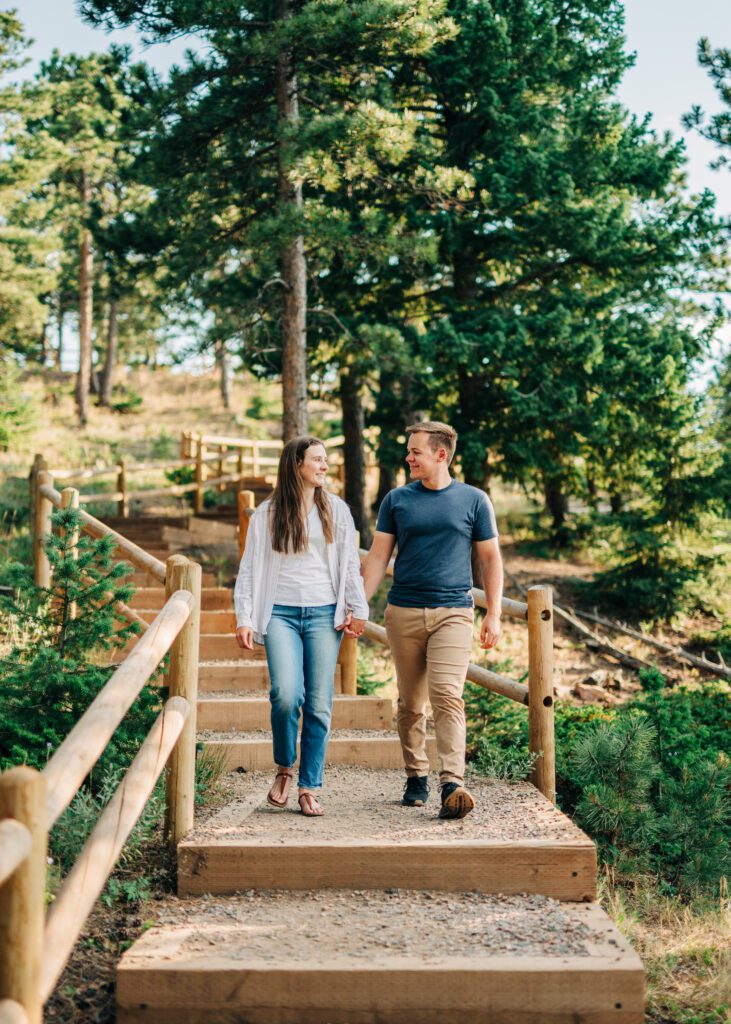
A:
665,81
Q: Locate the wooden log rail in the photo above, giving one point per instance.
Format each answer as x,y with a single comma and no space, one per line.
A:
197,451
35,946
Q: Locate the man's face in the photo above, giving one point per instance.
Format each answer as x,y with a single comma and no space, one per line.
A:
421,459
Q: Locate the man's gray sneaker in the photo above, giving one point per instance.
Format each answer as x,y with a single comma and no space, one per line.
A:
416,791
456,801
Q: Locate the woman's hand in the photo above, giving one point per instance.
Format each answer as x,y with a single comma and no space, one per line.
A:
245,638
355,627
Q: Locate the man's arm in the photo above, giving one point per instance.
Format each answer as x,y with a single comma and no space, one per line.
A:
491,565
376,561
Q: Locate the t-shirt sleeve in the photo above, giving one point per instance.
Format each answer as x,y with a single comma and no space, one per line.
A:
485,525
386,522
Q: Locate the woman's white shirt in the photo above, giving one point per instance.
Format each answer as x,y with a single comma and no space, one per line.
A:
304,579
259,571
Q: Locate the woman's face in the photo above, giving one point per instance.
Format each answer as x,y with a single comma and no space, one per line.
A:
313,467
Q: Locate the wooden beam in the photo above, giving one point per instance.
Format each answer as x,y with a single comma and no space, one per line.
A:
101,851
83,746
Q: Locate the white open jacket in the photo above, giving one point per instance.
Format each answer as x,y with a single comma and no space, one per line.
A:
256,583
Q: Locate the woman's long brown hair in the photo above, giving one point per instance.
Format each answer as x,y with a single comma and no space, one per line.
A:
287,520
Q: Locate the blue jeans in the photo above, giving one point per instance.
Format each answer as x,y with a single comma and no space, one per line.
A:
302,650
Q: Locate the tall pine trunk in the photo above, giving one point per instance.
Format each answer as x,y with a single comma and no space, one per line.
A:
83,379
110,357
294,267
59,335
353,455
224,370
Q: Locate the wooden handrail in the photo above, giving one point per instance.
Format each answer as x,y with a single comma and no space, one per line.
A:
81,749
132,552
15,843
101,851
12,1012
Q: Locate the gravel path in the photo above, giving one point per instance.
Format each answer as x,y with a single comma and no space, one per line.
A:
316,927
364,803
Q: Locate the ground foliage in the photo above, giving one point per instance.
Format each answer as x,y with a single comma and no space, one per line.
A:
55,667
650,781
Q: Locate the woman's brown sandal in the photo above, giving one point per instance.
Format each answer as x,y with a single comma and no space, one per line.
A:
282,773
310,808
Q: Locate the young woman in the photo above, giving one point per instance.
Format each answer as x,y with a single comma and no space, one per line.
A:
298,589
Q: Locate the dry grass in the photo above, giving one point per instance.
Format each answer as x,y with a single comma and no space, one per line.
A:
686,949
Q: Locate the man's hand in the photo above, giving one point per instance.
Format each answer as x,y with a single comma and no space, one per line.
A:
352,627
355,628
245,638
490,630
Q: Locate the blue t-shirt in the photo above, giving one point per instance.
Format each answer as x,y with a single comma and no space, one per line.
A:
434,532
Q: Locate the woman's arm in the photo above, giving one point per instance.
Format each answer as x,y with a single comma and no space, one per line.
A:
355,599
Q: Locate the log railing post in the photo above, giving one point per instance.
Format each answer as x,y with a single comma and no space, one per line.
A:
348,661
240,467
182,681
245,501
23,895
540,689
39,463
255,464
222,450
70,499
122,504
42,509
200,455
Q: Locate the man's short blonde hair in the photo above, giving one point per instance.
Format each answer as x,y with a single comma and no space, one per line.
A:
441,435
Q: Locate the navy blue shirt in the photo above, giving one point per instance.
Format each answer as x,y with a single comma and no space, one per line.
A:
434,532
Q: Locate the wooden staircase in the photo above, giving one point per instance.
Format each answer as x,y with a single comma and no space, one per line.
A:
375,913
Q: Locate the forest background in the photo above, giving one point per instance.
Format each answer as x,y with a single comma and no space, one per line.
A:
403,208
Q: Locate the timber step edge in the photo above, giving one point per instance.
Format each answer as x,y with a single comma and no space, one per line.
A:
248,713
204,973
253,752
242,676
561,869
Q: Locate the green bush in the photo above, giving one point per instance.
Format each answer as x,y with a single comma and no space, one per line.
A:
17,413
649,781
52,672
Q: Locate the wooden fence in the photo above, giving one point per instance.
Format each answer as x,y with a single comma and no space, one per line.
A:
253,460
34,944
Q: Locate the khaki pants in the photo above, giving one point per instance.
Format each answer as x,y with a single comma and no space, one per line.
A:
431,650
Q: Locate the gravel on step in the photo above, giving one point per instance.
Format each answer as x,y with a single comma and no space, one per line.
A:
365,804
315,927
266,734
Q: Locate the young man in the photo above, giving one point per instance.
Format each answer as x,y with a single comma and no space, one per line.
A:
434,520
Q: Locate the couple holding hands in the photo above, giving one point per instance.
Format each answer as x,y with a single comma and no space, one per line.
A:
300,586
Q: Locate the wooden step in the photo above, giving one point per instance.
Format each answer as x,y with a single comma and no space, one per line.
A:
370,957
244,714
223,647
212,598
514,841
211,621
253,751
213,677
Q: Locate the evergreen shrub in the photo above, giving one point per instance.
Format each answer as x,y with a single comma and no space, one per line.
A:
54,667
650,781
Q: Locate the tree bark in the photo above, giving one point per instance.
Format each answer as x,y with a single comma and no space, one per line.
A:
557,504
59,347
85,306
294,267
224,368
353,455
110,358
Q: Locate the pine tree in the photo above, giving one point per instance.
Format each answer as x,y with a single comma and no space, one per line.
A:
617,766
54,669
